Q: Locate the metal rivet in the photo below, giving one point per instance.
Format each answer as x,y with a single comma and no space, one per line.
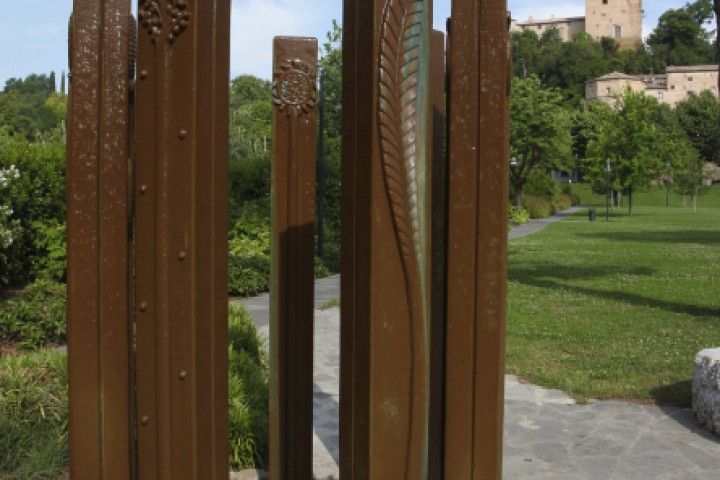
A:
145,420
182,134
182,255
143,189
143,306
143,74
183,375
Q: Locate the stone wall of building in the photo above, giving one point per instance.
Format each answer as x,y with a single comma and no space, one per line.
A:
681,81
567,27
671,88
618,19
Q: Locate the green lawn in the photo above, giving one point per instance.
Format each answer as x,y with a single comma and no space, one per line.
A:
616,309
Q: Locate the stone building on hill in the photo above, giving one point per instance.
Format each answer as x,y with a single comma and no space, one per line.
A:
617,19
671,88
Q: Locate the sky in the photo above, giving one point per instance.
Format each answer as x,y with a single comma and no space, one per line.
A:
33,33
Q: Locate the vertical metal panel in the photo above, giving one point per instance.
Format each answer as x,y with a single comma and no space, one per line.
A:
438,206
293,239
385,298
477,239
99,327
181,238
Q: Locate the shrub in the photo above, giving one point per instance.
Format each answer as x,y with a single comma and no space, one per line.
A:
518,217
35,197
541,185
249,255
33,415
537,207
562,202
249,393
35,316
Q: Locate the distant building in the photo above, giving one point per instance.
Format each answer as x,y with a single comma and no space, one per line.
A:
617,19
671,88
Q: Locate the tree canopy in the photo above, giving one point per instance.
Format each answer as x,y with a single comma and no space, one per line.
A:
539,132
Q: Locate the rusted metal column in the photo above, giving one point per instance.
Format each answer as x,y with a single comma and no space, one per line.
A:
385,288
99,260
293,275
181,238
438,214
477,239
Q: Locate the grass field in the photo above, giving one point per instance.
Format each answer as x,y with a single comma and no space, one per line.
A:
617,309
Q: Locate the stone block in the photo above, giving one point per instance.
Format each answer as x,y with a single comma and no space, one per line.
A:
706,389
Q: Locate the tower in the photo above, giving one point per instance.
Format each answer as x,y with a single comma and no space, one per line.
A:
617,19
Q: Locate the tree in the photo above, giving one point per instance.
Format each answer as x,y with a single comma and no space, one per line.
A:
680,39
329,149
586,121
699,116
539,132
637,147
250,117
525,53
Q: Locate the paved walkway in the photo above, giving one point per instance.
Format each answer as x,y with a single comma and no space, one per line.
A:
547,435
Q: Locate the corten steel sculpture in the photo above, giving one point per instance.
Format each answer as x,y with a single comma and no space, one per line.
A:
424,266
180,268
293,246
388,356
181,238
479,70
99,254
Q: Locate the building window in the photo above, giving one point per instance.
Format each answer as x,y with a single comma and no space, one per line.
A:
607,91
605,2
690,79
618,31
659,95
672,87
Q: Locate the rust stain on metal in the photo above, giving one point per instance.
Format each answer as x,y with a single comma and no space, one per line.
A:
99,258
292,268
478,64
181,238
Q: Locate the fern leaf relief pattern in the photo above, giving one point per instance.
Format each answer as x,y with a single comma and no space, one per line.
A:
401,78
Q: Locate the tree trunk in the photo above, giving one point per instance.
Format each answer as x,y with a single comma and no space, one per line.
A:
518,197
630,192
695,200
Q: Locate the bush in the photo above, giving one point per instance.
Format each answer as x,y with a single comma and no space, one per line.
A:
249,255
562,202
249,393
33,415
518,217
537,207
540,184
36,198
35,316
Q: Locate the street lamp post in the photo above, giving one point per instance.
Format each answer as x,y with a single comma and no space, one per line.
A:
607,190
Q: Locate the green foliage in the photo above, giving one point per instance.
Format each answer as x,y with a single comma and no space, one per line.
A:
537,207
36,198
699,117
539,132
638,139
35,316
249,254
30,108
33,416
250,118
249,394
518,217
329,166
680,39
51,246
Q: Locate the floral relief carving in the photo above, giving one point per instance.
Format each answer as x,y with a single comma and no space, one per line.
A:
154,18
295,88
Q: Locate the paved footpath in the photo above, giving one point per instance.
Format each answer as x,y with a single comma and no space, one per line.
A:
547,435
